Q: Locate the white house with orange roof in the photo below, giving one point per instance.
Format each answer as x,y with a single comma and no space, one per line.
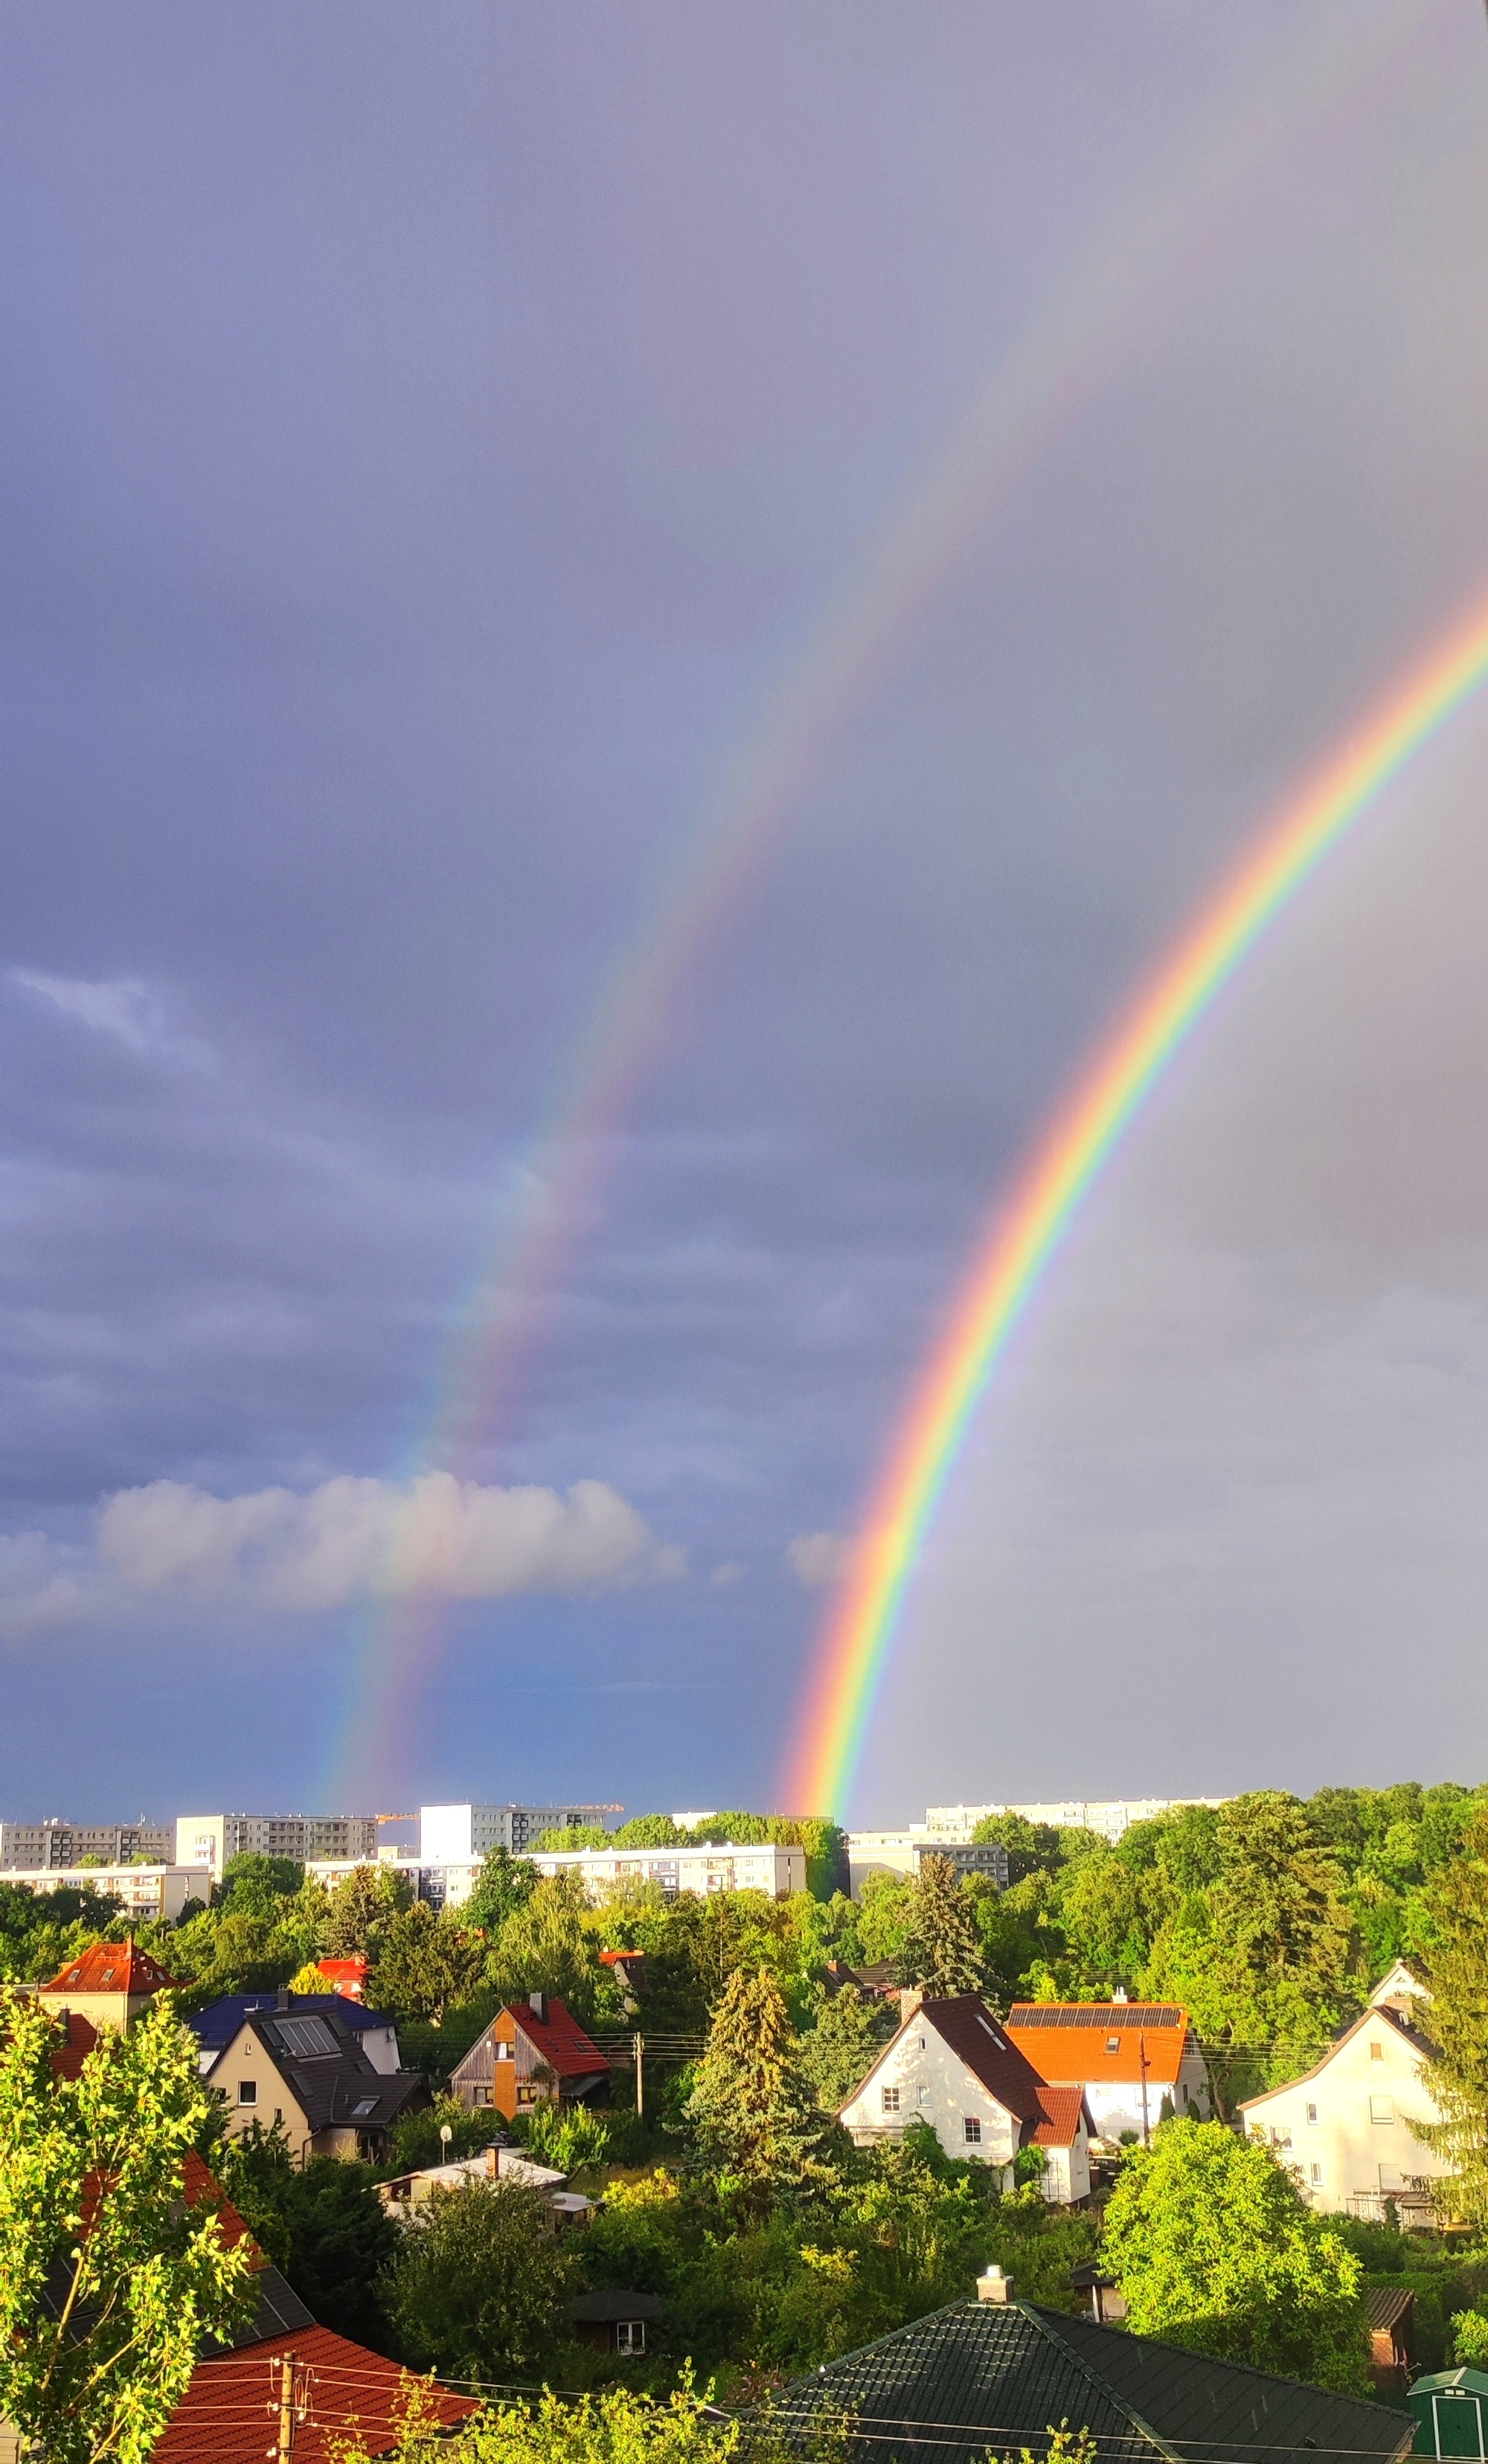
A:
953,2066
1137,2062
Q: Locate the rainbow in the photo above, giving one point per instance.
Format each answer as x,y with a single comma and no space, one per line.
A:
865,1619
1150,251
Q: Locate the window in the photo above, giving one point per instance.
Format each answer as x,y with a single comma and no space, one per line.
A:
630,2335
1113,2044
1316,2176
1376,2049
483,2094
505,2053
1280,2138
922,2097
248,2091
1312,2113
1382,2109
364,2106
278,2113
891,2100
971,2131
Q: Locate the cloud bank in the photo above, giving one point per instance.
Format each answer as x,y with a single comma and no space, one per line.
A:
348,1540
820,1557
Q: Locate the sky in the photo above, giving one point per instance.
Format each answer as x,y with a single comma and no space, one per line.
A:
442,455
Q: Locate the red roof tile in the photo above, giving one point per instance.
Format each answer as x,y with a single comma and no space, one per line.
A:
222,2418
74,2046
110,1968
1059,2112
559,2039
197,2184
1103,2041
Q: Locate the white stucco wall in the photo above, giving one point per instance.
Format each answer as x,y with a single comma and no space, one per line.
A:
1347,2128
933,2086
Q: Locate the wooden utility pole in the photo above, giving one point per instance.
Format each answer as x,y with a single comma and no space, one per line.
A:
640,2046
283,2450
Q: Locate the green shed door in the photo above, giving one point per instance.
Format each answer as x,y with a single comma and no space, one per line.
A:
1457,2421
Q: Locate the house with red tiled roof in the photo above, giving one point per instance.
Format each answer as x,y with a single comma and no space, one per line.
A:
348,1977
1137,2061
534,2051
953,2066
109,1985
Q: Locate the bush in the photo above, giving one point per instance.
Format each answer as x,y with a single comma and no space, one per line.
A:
478,2286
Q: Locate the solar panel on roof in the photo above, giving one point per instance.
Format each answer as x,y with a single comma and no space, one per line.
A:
306,2037
1095,2014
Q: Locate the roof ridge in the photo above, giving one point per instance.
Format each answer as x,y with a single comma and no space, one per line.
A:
1245,2369
1042,2321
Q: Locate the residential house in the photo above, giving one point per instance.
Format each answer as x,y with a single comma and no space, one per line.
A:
995,2374
1136,2061
628,1970
307,2072
376,2032
407,2193
109,1985
953,2066
532,2051
1346,2126
878,1981
616,2322
345,1976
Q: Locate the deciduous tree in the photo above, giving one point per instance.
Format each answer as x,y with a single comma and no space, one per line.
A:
109,2281
1458,1900
477,2288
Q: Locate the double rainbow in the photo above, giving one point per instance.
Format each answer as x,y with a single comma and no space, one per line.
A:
855,1650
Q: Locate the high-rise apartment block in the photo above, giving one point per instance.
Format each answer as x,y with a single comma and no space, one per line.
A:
212,1840
462,1834
1108,1816
50,1846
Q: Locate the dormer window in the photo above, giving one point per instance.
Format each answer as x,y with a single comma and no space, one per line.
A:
1113,2044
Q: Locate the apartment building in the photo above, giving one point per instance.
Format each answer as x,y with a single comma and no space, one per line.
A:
904,1852
144,1892
54,1844
462,1834
774,1870
1108,1816
211,1840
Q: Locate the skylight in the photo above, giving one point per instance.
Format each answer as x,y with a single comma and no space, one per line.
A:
306,2037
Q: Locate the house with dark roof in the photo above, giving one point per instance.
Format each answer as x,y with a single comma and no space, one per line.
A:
997,2375
374,2031
307,2071
1347,2127
532,2051
953,2066
108,1985
1137,2061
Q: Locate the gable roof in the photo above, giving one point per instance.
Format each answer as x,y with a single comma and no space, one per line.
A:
1379,2015
1073,2040
318,2055
986,2374
219,2023
558,2041
1061,2113
221,2418
964,2022
111,1967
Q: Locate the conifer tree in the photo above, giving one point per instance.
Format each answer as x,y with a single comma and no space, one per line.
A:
943,1953
1456,2020
751,2109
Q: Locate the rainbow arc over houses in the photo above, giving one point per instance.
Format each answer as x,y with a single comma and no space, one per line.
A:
866,1617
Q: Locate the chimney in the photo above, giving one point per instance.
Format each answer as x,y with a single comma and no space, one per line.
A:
994,2286
538,2005
282,2000
1118,1994
910,1999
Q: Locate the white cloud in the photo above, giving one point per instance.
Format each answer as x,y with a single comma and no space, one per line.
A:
817,1557
123,1008
730,1572
347,1540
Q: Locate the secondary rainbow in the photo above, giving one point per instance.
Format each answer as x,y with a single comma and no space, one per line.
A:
860,1636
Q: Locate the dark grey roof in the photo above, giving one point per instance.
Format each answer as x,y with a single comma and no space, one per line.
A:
1385,2306
977,2374
599,2309
318,2054
280,2311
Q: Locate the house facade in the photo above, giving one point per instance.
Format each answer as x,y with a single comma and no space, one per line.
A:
376,2032
1346,2126
952,2065
533,2053
306,2073
1136,2061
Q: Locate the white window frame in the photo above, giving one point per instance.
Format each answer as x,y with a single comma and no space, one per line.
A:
889,2100
971,2130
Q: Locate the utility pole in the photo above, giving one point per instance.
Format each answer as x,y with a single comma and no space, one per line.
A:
1147,2136
640,2046
282,2452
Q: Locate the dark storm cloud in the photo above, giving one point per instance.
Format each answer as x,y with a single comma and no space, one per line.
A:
425,439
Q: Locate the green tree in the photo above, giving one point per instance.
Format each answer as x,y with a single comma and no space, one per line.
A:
92,2214
751,2109
424,1963
942,1951
650,1830
504,1885
478,2286
1458,1900
256,1886
1030,1845
883,1913
618,2426
844,2045
1214,2249
321,2222
549,1941
361,1909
